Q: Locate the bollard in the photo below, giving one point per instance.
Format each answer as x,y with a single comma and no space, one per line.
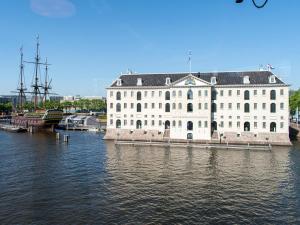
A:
57,136
66,138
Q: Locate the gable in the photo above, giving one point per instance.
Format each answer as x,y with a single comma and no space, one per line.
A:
191,80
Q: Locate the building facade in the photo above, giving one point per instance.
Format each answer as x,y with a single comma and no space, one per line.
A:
233,107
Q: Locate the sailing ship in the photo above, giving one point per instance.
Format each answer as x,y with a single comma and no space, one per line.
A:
39,118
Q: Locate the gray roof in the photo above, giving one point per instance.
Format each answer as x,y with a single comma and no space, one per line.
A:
223,78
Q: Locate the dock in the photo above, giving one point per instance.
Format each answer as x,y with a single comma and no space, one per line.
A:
197,145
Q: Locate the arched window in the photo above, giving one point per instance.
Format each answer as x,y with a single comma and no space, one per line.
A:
174,93
174,106
118,124
118,107
273,108
138,124
167,124
189,125
273,127
190,107
118,95
167,95
167,107
214,95
190,94
246,95
246,126
214,126
273,95
179,106
246,108
138,95
139,107
174,123
214,107
179,123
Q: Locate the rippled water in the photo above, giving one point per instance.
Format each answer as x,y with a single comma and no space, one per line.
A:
89,181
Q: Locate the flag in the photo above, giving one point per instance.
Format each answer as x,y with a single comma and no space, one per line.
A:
270,67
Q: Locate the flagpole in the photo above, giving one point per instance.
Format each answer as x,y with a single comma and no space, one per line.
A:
190,61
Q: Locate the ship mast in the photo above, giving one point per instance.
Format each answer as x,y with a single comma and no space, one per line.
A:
36,86
21,89
46,86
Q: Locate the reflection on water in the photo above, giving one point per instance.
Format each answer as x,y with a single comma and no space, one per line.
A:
43,180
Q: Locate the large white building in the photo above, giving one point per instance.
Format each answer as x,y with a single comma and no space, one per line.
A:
234,107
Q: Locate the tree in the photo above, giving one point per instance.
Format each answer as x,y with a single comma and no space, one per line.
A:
294,101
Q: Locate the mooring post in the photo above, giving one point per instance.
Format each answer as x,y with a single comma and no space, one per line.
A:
66,138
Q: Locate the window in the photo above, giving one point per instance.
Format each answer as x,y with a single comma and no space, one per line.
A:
174,106
273,127
189,125
281,92
125,122
264,92
174,93
159,93
221,105
189,107
139,107
272,79
214,107
152,122
222,124
125,94
179,93
246,126
131,94
118,107
111,105
131,122
246,108
281,125
118,124
255,106
255,92
190,94
125,105
152,94
255,125
238,106
145,93
111,122
273,108
145,122
229,105
205,124
138,95
159,123
167,107
174,123
214,95
229,93
230,124
146,105
118,95
131,105
221,93
167,95
199,105
179,123
153,105
238,124
246,80
111,94
273,95
199,124
179,106
238,92
199,93
206,93
213,80
206,106
282,106
168,81
160,105
264,125
119,82
264,105
139,82
246,95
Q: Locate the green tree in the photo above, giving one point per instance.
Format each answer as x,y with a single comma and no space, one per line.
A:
294,101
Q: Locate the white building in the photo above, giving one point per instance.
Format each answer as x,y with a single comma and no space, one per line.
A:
234,107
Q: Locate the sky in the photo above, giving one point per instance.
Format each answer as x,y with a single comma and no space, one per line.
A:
89,43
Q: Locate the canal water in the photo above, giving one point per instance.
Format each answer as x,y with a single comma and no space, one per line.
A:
90,181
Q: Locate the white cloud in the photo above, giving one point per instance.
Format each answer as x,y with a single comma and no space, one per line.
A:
53,8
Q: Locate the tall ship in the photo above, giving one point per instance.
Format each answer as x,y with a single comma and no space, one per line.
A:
38,118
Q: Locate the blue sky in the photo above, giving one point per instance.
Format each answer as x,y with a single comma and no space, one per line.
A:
90,42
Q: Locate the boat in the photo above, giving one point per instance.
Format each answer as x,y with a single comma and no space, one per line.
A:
38,118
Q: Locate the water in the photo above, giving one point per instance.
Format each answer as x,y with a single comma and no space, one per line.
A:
89,181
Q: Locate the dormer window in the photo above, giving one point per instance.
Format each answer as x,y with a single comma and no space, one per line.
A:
272,79
168,81
246,80
119,82
139,82
213,80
